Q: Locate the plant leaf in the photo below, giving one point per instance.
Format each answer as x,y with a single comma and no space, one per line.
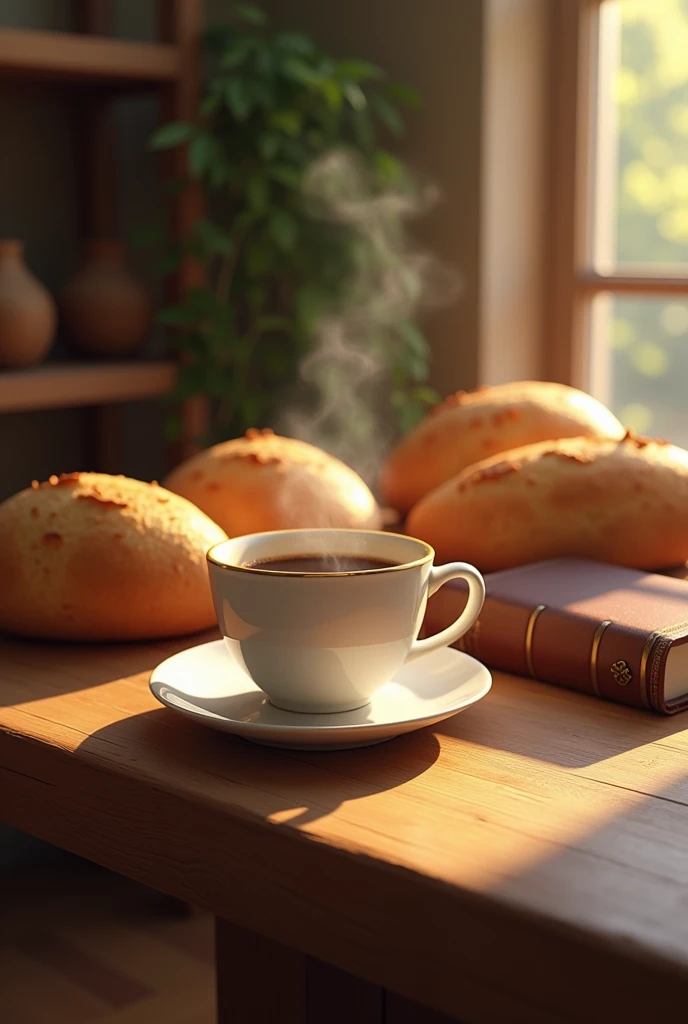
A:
277,359
177,316
200,299
174,186
426,395
388,114
190,381
287,121
415,358
387,166
284,228
148,237
214,238
249,13
268,145
408,416
233,59
355,96
359,70
201,154
301,72
173,426
176,133
296,42
257,193
219,173
237,51
259,257
256,295
264,60
332,92
273,323
309,308
414,338
251,407
403,94
209,104
222,336
288,176
363,129
238,98
189,341
169,262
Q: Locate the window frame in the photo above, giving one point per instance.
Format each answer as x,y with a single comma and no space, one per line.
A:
575,279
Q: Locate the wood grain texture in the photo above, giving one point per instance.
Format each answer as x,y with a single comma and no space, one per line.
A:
481,868
65,385
570,96
57,55
633,284
181,23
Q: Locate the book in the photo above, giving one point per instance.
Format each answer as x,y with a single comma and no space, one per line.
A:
600,629
679,571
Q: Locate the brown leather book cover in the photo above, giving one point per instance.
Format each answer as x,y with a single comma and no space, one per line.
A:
597,628
680,572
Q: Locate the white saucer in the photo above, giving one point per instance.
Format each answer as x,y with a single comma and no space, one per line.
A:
205,684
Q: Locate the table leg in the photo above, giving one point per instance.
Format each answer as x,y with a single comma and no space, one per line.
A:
263,982
402,1011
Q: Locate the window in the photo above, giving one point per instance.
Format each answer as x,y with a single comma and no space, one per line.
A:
619,307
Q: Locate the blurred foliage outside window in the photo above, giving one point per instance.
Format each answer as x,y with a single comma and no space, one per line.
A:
647,337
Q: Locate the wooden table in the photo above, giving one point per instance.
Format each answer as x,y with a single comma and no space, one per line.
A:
524,861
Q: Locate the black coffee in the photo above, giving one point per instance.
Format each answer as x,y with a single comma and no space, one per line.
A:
319,563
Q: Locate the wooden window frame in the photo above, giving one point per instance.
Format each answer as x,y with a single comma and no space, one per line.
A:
574,278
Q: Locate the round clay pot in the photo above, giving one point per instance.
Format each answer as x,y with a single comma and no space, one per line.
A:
27,311
105,311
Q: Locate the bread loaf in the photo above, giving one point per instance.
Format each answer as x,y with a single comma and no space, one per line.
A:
266,482
87,556
471,426
615,501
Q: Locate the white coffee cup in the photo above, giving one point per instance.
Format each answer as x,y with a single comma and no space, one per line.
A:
324,642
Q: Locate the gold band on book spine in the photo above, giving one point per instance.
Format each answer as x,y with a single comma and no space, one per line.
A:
594,650
530,629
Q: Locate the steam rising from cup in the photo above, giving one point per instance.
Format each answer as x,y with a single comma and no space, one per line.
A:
346,374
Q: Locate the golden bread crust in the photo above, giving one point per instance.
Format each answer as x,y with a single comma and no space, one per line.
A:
471,426
87,556
266,482
616,501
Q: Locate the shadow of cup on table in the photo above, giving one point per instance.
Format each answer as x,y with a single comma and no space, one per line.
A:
283,787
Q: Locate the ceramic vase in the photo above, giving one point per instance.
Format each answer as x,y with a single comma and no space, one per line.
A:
105,310
27,310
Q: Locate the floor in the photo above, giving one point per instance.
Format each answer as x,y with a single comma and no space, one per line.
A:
78,944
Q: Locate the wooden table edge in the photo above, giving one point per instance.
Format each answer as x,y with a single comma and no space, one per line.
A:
476,930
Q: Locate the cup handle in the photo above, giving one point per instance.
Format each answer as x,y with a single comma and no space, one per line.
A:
439,575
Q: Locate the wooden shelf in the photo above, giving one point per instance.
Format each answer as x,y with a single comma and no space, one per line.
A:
65,385
95,59
96,66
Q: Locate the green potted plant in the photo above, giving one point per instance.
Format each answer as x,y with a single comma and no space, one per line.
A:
283,135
